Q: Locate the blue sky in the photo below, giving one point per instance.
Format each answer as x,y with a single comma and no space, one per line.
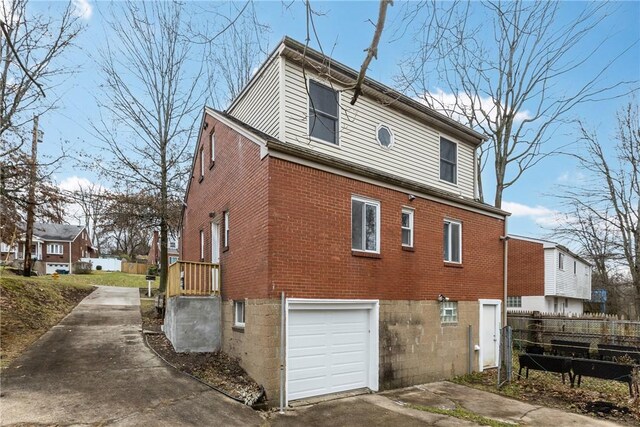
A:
345,32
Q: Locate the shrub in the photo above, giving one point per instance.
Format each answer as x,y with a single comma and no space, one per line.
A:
98,267
82,267
152,270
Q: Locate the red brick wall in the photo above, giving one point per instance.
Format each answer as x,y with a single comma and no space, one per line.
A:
237,182
310,244
526,268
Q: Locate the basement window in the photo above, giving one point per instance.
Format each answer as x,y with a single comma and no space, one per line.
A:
514,302
238,310
449,312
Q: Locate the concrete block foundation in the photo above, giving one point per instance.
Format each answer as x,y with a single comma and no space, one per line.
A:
193,324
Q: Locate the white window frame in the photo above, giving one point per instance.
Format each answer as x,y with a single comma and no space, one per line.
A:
459,224
201,244
314,138
59,249
240,323
514,302
212,146
393,137
455,177
560,261
410,212
452,318
201,162
371,202
226,229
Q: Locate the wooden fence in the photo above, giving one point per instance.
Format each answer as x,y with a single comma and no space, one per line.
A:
534,328
193,278
134,267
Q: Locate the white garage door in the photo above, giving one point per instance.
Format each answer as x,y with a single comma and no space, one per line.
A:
51,268
330,350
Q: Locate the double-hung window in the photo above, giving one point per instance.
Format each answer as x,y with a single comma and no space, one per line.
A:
560,260
212,147
452,242
365,225
448,161
226,229
323,113
407,227
201,163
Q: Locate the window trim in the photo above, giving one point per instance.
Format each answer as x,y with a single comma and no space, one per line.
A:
201,245
560,261
411,212
393,136
375,203
212,146
236,304
443,307
459,223
339,93
225,216
457,168
201,163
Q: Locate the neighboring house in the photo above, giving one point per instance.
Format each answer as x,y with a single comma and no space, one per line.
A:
545,276
58,246
364,217
7,252
154,249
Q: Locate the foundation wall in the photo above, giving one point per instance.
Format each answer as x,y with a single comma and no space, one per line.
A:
192,324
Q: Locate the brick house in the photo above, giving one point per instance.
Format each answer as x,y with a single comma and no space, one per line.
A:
58,246
365,218
545,276
173,252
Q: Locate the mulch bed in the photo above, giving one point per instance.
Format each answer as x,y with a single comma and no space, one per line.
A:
216,369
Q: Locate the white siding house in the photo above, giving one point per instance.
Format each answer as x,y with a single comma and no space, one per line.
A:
276,102
567,281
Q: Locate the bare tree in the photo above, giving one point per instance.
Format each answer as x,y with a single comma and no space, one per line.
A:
502,63
31,47
151,95
93,200
604,216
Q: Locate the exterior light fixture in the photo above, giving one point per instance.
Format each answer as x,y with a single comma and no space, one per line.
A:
411,197
442,298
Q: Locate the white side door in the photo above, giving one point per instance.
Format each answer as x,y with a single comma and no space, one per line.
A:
489,333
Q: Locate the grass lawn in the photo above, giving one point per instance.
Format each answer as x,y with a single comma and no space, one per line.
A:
30,306
100,278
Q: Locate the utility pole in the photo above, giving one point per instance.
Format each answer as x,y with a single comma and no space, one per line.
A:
31,202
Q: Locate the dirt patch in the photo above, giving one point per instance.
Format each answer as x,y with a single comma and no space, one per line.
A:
217,369
29,309
546,389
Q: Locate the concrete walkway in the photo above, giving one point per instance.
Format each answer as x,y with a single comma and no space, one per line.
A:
94,368
395,408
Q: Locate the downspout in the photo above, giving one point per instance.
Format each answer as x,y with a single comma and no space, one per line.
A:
505,264
283,310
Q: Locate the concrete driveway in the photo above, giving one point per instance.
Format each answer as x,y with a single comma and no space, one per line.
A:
94,368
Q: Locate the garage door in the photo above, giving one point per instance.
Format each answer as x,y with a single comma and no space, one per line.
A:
330,350
51,268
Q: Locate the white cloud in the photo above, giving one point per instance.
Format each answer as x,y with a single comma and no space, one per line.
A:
82,9
74,183
571,177
541,215
456,106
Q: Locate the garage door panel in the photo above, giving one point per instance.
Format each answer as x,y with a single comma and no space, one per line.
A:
328,351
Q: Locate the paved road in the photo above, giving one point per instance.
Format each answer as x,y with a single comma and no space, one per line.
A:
94,368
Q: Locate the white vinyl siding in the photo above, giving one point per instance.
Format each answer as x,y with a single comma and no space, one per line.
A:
565,283
260,104
416,148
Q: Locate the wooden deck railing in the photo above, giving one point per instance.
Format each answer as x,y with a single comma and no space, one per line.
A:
193,278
